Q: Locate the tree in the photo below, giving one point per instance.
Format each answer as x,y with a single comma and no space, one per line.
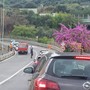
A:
61,8
30,5
44,31
13,17
79,34
24,31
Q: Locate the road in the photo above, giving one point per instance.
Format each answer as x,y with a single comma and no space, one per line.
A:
12,76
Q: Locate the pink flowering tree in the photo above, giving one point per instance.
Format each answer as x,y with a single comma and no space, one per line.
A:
79,34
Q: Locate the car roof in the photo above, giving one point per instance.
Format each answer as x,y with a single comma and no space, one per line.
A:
68,55
44,51
74,54
54,54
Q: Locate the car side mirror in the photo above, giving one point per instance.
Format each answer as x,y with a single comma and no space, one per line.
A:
29,70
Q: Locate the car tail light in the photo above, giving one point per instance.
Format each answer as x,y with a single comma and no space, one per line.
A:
82,57
43,84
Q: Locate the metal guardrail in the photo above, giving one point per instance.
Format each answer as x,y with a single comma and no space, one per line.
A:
36,44
11,53
7,55
2,57
41,45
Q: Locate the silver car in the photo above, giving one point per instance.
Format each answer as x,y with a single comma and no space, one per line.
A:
61,73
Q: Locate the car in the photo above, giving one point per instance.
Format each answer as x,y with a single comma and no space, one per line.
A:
44,51
41,58
61,73
15,47
13,42
23,48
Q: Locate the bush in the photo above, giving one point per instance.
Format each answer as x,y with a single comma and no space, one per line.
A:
44,40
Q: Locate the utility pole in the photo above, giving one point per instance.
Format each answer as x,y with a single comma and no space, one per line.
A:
2,24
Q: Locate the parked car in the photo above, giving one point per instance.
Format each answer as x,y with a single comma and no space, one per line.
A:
13,42
41,58
15,47
61,73
44,51
23,47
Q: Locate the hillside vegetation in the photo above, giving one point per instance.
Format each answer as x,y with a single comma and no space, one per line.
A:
27,24
36,3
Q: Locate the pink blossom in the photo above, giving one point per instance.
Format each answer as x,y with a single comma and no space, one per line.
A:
79,34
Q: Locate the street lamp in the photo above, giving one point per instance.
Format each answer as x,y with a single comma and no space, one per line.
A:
2,22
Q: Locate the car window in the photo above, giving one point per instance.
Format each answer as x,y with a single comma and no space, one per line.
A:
41,64
71,67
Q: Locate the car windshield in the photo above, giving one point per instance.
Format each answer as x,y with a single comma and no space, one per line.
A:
71,67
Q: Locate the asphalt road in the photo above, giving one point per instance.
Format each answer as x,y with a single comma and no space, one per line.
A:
12,76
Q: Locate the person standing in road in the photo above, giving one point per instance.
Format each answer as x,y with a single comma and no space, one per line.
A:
31,51
11,47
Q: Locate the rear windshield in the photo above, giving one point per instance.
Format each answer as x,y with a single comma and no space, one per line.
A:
23,46
66,67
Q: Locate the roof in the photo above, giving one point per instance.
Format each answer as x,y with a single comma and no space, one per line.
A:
74,54
54,54
68,54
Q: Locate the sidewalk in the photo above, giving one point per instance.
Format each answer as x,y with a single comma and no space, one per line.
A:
4,52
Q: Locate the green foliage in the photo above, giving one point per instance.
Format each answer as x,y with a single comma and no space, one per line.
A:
44,31
24,31
44,40
32,32
33,3
30,5
55,2
50,20
64,18
61,8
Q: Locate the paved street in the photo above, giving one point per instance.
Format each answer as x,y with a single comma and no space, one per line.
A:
12,76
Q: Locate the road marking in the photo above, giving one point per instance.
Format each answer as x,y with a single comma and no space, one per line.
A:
14,74
2,82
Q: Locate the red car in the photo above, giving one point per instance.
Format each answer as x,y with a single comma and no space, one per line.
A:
23,48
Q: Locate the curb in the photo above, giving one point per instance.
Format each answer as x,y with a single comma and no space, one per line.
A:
7,55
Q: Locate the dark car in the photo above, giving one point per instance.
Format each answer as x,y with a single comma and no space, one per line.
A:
61,73
41,58
45,51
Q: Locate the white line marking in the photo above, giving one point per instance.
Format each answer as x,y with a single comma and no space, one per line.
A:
2,82
14,74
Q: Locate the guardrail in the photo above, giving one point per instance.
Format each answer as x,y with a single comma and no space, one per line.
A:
41,45
5,49
11,53
7,55
36,44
